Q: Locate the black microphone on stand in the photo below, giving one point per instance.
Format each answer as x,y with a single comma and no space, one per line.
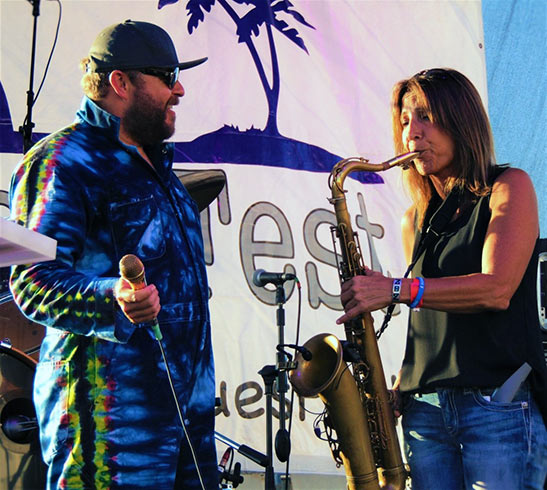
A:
306,354
261,278
270,373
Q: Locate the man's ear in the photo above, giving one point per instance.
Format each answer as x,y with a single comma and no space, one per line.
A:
120,82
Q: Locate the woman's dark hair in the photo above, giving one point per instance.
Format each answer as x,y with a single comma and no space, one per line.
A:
455,106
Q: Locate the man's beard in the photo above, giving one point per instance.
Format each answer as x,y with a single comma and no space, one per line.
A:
144,122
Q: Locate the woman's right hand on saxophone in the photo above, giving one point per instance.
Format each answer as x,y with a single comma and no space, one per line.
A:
361,294
369,292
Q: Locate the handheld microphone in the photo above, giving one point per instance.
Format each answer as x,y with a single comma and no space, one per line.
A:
132,270
261,278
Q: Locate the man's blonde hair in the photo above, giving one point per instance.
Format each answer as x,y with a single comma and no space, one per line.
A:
96,85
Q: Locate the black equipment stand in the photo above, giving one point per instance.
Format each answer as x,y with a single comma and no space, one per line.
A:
26,128
270,374
250,453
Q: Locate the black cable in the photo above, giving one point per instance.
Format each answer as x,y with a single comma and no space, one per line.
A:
179,409
391,307
298,317
438,221
51,52
35,98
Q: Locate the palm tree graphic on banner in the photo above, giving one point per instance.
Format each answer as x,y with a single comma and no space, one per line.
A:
255,146
229,144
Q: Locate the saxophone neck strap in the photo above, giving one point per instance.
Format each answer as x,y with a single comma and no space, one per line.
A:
437,223
444,214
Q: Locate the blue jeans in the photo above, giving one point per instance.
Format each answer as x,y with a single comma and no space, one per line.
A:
458,439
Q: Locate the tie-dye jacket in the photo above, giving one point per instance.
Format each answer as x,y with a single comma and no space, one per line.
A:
106,412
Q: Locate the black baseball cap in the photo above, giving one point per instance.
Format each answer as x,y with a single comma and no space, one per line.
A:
132,45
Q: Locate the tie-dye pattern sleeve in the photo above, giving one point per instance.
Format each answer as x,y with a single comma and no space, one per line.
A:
63,293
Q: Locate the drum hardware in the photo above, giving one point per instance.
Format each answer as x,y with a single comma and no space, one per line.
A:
22,466
17,418
20,428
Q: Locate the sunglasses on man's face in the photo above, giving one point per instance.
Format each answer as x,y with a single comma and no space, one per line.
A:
169,77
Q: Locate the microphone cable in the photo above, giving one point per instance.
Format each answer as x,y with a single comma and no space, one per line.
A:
157,335
51,52
298,317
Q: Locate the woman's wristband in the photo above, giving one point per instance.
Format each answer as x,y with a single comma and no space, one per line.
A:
417,292
414,284
396,291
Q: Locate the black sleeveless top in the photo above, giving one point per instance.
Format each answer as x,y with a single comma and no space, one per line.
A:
471,349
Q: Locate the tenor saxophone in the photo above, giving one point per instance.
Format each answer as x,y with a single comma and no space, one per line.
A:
357,400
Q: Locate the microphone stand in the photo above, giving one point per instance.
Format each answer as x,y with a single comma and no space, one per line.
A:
26,128
270,374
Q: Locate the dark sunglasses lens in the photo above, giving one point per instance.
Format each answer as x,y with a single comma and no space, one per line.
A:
434,73
174,76
168,77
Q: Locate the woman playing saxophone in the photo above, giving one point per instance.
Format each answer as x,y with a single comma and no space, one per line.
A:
473,318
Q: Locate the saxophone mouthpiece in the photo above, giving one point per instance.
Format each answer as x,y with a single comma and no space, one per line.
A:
403,160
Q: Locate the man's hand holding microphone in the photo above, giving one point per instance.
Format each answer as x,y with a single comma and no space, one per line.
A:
139,302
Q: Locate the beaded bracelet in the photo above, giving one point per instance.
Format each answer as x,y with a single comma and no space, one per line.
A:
417,287
396,290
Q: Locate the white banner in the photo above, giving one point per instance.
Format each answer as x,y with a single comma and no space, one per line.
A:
285,94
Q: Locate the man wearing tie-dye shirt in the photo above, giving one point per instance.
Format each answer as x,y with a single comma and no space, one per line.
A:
103,187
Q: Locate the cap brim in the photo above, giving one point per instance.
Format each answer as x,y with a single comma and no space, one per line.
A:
190,64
